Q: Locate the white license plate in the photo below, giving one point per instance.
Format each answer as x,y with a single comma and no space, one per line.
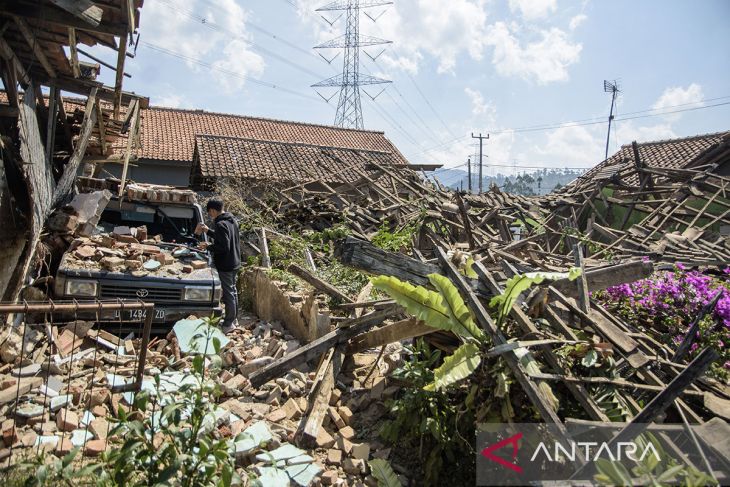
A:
139,314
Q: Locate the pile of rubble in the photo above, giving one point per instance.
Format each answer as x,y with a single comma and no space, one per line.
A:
129,250
65,392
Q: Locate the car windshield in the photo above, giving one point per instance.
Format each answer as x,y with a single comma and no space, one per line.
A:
173,223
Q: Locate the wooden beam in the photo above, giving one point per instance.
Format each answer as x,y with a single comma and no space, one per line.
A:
83,9
346,330
51,127
365,256
394,332
319,398
130,140
75,69
65,184
32,41
32,10
121,56
102,127
319,284
582,282
14,63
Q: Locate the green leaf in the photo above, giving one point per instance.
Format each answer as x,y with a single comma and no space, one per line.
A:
519,283
614,471
590,359
422,303
670,473
383,473
456,367
463,323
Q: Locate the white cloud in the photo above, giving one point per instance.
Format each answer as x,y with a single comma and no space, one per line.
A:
572,145
479,106
169,100
576,21
533,9
417,28
545,60
677,95
179,29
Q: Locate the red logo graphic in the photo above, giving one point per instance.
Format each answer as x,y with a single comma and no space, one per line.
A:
487,452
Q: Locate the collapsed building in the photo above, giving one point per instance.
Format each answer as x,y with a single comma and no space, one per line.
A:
314,367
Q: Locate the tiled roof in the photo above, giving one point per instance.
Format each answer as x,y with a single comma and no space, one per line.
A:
169,134
662,154
218,156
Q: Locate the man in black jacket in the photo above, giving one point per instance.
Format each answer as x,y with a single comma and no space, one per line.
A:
226,256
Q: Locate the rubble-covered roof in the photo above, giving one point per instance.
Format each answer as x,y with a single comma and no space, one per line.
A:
661,154
169,134
217,156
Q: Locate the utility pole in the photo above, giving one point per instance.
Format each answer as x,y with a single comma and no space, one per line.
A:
468,165
481,140
610,87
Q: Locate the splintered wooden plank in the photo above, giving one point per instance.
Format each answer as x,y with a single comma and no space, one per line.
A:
83,9
365,256
319,284
347,330
319,399
603,326
605,277
395,332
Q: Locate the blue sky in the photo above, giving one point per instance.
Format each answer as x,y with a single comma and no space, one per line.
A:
457,66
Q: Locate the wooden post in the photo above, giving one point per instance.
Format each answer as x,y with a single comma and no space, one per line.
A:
582,283
319,284
121,57
264,246
74,53
130,140
51,127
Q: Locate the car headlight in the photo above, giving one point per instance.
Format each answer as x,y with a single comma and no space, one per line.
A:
81,287
217,293
198,293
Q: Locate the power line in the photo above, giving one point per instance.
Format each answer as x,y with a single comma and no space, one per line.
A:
228,72
191,14
594,121
597,122
425,98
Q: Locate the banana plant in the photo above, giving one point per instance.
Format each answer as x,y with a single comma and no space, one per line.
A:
443,308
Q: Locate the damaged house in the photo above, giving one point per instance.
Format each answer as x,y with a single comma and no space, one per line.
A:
43,145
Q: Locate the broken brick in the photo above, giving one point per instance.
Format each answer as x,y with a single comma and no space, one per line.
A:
67,420
334,457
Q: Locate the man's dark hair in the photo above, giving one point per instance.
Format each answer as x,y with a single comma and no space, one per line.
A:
214,204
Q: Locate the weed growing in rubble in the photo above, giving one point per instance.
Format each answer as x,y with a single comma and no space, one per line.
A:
178,445
428,420
396,240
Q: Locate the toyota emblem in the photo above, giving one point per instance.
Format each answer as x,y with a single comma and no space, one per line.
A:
142,293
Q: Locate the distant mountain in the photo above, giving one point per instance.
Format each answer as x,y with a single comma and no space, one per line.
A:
542,181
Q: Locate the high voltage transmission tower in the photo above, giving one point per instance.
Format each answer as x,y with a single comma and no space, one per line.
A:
349,110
